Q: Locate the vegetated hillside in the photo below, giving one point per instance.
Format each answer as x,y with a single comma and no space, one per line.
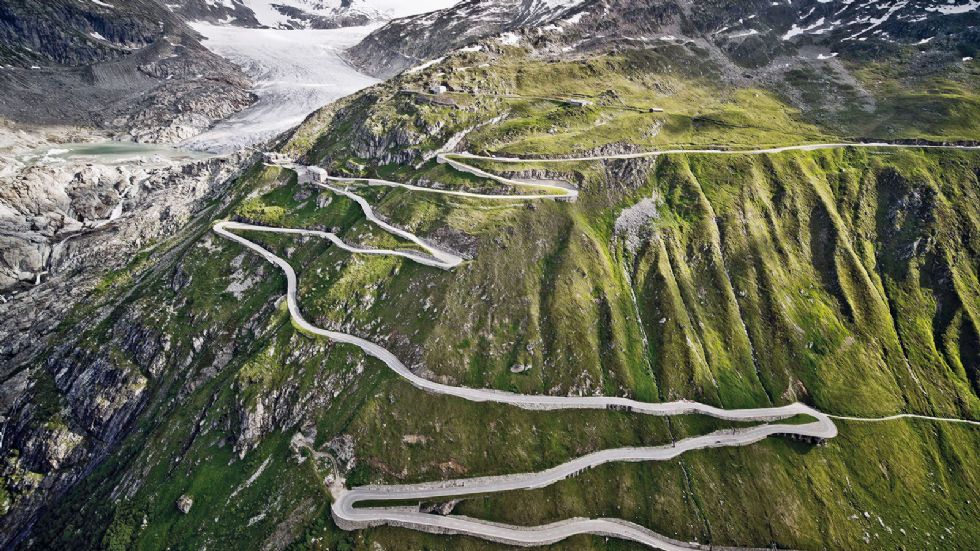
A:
130,66
844,278
661,96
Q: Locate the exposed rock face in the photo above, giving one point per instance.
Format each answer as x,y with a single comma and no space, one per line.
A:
756,33
129,66
391,147
100,392
383,137
407,42
76,32
439,508
184,504
288,404
45,205
185,104
63,226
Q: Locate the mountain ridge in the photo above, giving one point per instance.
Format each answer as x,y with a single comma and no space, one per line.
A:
751,34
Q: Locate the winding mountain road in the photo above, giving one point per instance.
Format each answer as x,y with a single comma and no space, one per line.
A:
350,517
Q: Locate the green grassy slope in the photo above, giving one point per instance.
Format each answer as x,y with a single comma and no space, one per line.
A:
846,279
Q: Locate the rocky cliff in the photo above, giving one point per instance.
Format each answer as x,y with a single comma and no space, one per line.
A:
64,226
130,66
70,237
748,34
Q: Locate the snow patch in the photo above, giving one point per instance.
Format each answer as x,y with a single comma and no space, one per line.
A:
427,64
796,30
951,8
877,22
509,38
561,3
743,34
